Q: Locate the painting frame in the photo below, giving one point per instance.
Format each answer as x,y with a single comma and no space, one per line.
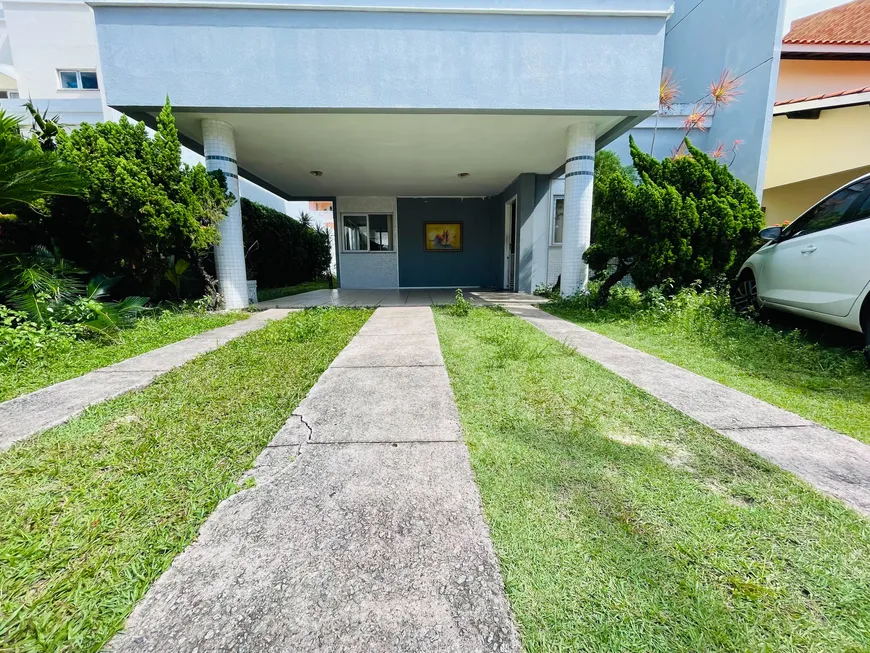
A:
455,227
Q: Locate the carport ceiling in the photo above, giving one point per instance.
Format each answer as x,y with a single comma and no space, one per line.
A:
394,154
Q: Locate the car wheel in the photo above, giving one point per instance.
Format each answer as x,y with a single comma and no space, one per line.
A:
744,297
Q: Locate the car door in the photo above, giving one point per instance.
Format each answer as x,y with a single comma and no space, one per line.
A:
789,276
840,265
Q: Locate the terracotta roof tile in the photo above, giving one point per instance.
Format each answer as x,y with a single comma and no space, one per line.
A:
825,96
848,24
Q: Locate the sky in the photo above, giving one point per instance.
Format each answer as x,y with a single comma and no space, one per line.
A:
799,8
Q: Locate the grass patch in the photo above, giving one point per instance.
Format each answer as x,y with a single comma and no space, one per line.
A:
274,293
824,381
622,525
78,357
93,511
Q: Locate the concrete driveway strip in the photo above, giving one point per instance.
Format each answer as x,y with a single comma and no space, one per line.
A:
43,409
834,463
364,531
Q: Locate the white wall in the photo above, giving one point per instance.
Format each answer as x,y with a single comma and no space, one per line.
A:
47,36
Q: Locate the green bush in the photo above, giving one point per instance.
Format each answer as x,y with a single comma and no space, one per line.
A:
282,251
22,340
688,220
141,210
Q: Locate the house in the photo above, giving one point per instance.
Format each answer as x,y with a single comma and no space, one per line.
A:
455,138
48,54
821,127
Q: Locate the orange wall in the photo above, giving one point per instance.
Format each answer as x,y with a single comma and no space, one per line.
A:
799,78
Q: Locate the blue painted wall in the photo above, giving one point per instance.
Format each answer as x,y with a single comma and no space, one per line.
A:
478,264
703,38
296,59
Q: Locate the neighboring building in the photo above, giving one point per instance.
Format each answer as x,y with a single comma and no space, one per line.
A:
821,127
424,121
48,53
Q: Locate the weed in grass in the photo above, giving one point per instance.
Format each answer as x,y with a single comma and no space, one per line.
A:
93,511
605,545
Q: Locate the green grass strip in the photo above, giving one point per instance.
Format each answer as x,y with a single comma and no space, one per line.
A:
827,384
93,511
275,293
622,525
82,356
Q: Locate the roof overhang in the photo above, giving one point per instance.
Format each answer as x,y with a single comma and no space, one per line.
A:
649,8
821,104
394,154
825,51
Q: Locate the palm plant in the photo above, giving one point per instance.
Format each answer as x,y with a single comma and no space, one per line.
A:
48,289
27,174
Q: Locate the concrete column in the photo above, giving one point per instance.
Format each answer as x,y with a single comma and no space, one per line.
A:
219,147
577,228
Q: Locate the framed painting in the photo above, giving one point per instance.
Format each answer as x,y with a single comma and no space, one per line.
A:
443,236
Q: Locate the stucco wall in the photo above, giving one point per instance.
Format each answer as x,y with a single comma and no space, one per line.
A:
792,200
805,149
367,269
704,38
479,262
45,37
800,78
254,58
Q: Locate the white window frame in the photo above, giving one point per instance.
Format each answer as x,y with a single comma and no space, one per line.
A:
391,221
78,73
553,242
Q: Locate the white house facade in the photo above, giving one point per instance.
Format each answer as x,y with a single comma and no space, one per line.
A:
478,117
49,55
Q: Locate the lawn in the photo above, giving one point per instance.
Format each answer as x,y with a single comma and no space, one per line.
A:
81,356
266,294
93,511
622,525
819,374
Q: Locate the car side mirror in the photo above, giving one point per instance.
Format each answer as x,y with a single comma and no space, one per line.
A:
771,234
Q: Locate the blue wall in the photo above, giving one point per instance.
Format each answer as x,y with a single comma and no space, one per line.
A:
480,261
296,59
704,38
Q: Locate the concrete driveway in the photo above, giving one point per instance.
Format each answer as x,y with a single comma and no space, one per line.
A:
397,297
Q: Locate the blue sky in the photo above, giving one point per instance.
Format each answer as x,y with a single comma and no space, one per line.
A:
799,8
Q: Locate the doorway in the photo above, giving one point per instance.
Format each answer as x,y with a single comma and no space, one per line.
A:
510,244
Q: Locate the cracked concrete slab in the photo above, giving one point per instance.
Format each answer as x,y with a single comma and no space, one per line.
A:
49,407
834,463
358,546
280,452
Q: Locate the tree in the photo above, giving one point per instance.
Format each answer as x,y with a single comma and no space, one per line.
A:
689,219
27,174
142,208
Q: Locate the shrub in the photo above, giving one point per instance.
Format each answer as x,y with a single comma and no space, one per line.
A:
22,340
689,219
141,209
282,251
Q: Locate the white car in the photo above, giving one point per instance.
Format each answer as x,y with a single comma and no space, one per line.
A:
819,265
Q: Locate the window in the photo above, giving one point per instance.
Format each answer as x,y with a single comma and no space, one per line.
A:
85,80
367,232
558,220
8,95
829,213
863,211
